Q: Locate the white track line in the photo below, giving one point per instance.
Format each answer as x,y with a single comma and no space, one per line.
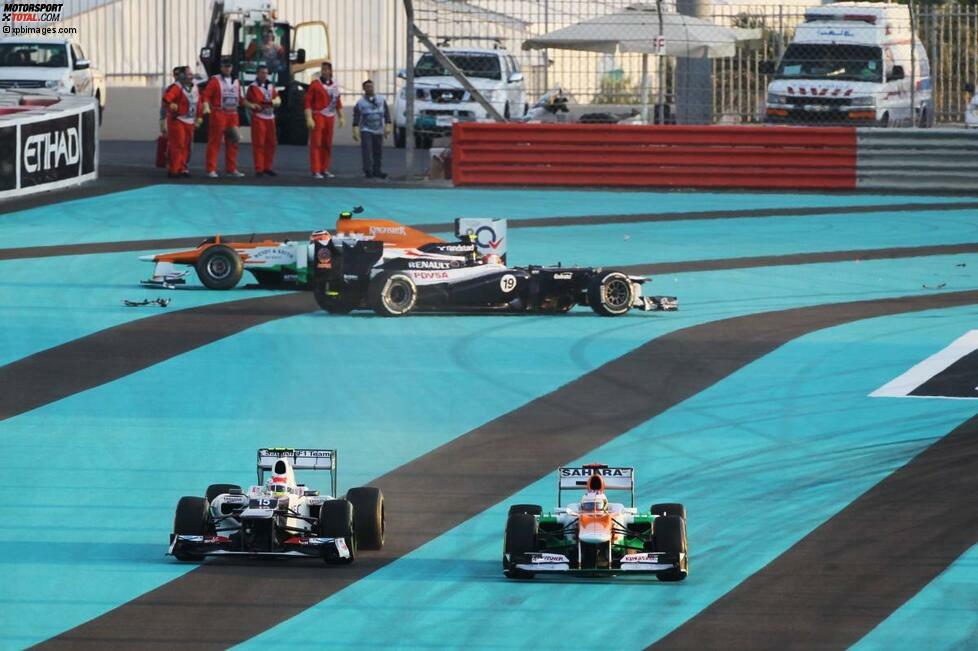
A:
900,386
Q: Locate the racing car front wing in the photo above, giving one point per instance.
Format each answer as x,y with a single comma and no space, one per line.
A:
539,562
657,303
292,548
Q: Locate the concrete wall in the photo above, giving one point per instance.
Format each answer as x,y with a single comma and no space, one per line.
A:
133,112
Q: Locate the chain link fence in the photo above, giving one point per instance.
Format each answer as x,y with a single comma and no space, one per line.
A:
733,55
945,60
840,75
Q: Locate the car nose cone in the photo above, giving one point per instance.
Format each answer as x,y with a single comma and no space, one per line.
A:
594,533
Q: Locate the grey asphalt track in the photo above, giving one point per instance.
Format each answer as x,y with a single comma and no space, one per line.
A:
221,604
109,354
839,582
47,251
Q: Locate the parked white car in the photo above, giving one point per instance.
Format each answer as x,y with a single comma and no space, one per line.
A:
440,100
51,63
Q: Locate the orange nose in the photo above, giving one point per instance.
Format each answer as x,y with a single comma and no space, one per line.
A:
595,519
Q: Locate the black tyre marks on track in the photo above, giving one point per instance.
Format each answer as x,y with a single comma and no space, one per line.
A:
221,604
446,227
843,579
799,258
115,352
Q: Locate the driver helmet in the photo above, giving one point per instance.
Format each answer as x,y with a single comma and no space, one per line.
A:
320,236
594,503
278,487
492,258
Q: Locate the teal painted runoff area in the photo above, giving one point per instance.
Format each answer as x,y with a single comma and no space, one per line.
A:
788,429
676,241
198,418
167,211
759,459
46,302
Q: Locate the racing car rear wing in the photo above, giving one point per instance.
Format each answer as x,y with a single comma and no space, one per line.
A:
305,459
575,478
489,234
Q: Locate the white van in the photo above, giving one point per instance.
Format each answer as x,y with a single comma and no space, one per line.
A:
850,63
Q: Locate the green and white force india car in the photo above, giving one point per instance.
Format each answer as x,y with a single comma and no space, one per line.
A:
595,536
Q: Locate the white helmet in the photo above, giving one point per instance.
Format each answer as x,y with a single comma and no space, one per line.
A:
593,502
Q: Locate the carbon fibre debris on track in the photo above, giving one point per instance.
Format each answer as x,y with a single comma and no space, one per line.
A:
109,354
431,494
57,250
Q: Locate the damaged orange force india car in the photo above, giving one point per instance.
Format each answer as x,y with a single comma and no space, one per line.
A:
401,270
394,269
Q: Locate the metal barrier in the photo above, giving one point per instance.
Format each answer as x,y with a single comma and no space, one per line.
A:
654,156
47,141
917,159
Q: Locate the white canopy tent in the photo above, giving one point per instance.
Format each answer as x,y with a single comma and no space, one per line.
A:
640,28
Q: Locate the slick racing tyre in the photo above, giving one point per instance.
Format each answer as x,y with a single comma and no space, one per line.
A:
331,304
670,536
669,508
368,516
521,538
392,293
530,509
215,490
219,267
336,521
189,520
610,293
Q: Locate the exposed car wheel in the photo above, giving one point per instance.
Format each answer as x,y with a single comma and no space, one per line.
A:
215,490
219,267
521,538
669,508
669,532
610,293
392,293
368,516
884,121
506,111
336,521
331,304
400,137
529,509
190,520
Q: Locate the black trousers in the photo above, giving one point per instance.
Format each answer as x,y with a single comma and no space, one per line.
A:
372,150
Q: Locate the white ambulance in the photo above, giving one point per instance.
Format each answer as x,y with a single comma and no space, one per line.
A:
850,63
